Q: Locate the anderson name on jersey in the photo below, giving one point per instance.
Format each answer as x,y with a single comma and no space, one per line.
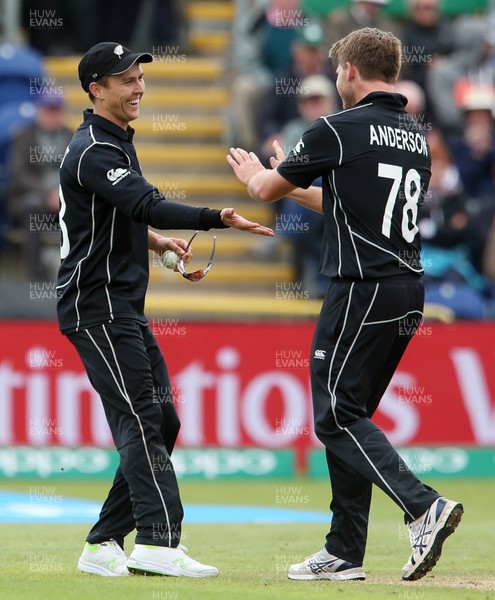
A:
375,164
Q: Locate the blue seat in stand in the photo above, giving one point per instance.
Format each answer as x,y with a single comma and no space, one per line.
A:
22,79
21,74
464,301
12,116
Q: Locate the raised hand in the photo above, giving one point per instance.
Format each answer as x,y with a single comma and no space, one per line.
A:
279,155
245,164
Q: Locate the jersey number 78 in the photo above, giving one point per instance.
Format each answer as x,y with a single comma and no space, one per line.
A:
412,191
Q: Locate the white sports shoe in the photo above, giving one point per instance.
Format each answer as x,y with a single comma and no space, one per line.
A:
428,533
161,560
106,559
323,565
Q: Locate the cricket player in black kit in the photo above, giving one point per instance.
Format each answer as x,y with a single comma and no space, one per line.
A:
106,207
375,164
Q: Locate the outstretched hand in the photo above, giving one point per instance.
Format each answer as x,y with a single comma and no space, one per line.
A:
245,164
232,219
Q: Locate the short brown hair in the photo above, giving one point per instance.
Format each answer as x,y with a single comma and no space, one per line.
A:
375,53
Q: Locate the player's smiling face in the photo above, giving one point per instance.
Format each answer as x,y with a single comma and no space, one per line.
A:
118,101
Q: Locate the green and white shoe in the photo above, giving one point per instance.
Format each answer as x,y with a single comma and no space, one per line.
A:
106,559
161,560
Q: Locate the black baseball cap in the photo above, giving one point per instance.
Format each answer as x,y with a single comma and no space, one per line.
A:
107,58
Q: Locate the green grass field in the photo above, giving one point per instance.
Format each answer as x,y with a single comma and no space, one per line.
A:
253,559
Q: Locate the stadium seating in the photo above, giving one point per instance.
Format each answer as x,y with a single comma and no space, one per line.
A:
464,301
21,77
21,74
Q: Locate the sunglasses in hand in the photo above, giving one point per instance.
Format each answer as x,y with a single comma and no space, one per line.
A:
201,273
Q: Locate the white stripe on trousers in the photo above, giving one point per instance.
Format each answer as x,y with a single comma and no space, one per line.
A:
334,397
125,395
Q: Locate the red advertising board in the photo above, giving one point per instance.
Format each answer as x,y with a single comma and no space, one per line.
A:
241,384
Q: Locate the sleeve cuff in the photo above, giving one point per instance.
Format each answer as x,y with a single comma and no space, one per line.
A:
210,219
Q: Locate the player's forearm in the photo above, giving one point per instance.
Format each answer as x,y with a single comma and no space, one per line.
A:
256,187
153,240
264,186
162,214
311,198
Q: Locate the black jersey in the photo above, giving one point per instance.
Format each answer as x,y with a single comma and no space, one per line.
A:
106,207
375,163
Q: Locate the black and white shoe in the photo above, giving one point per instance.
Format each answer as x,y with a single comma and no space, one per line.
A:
428,533
323,565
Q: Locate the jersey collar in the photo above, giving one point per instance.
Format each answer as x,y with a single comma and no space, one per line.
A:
388,98
91,119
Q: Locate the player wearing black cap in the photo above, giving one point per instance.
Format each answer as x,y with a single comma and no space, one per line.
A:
106,207
375,164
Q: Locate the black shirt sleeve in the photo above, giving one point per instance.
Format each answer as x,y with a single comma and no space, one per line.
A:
317,152
105,171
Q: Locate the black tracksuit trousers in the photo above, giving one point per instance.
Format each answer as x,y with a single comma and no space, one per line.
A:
361,335
126,368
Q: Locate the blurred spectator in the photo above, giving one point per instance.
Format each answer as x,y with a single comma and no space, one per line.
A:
262,37
426,37
474,155
360,13
279,104
318,97
470,56
21,72
445,224
416,100
33,204
301,226
444,220
488,258
474,152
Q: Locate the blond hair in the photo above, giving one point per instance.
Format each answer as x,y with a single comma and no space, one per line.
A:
375,53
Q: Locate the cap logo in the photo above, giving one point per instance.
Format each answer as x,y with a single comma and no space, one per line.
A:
118,50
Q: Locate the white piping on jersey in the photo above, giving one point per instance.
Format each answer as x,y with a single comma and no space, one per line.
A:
122,390
69,280
339,243
388,252
110,308
79,264
333,395
338,139
96,142
341,112
334,188
410,312
333,185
